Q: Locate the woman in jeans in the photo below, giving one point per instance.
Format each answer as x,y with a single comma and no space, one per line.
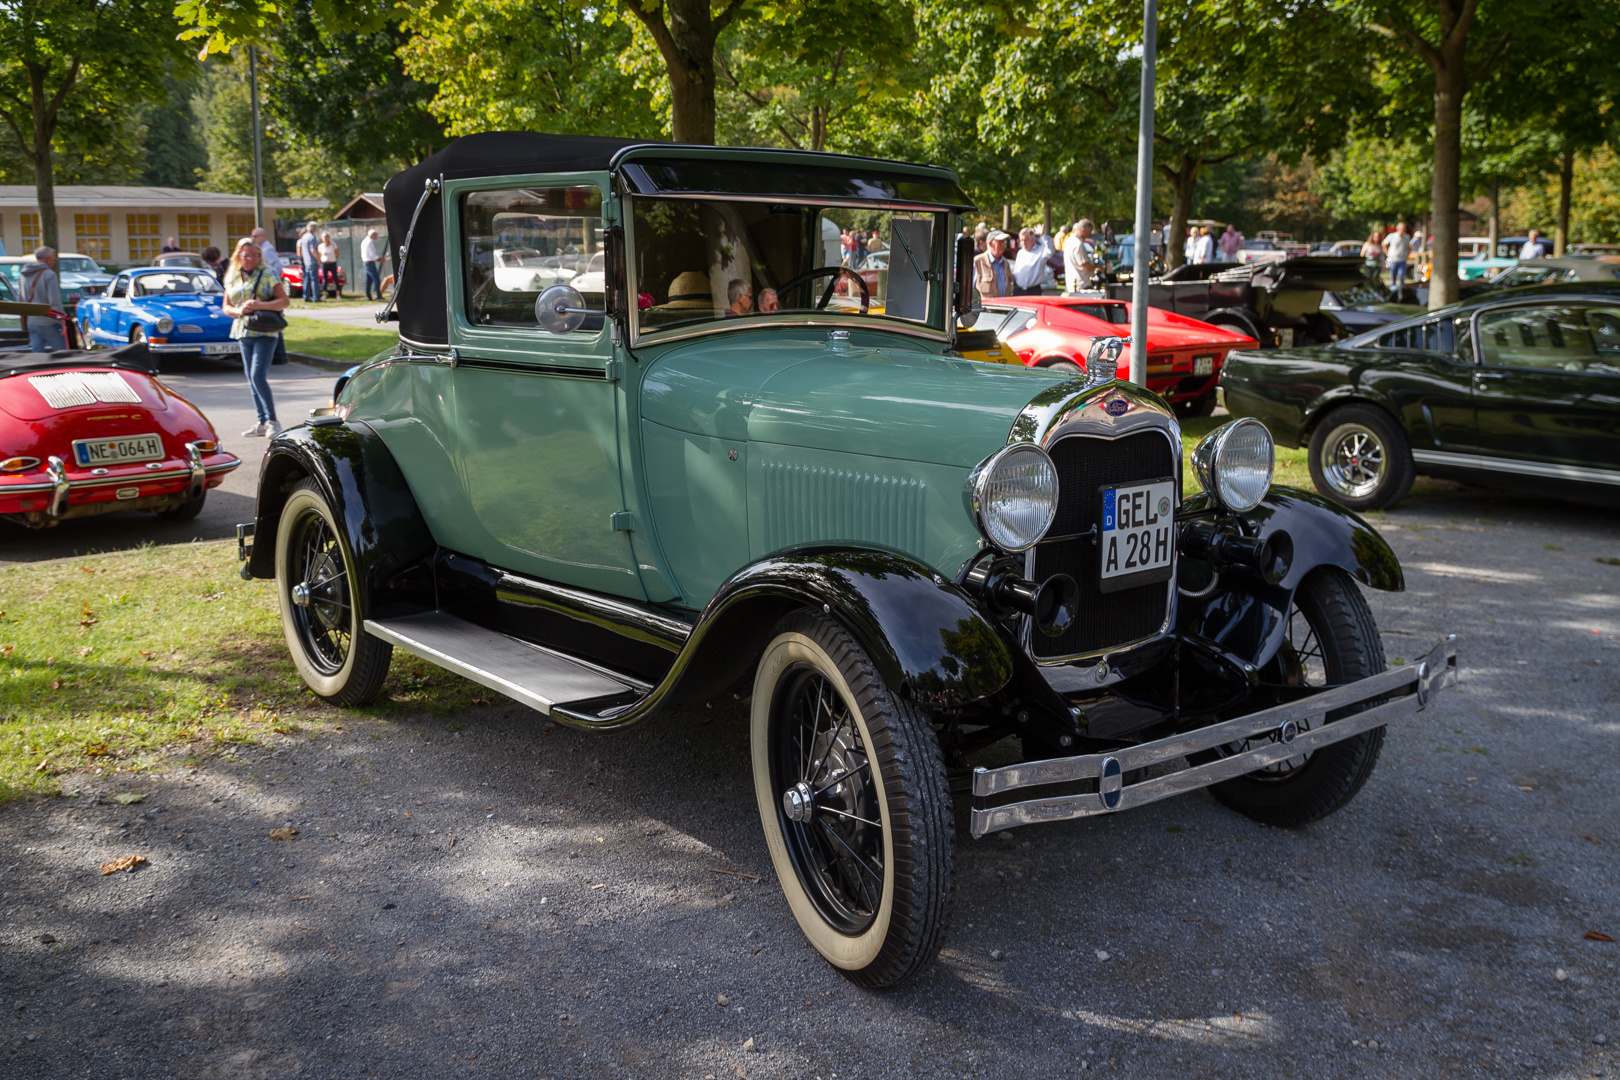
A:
251,286
329,265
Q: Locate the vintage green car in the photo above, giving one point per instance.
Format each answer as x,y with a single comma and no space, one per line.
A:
719,462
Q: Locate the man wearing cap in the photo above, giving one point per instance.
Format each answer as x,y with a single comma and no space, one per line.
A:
991,274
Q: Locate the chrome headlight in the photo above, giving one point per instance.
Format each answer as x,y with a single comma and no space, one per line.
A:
1234,464
1014,495
165,324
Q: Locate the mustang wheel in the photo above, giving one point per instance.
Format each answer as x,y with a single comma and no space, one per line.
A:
1332,639
853,796
320,597
1360,457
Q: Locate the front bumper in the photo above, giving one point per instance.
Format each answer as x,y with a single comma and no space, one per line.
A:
60,496
205,348
1397,691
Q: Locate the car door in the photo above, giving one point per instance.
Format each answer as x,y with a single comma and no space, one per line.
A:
538,415
1547,387
112,316
1429,382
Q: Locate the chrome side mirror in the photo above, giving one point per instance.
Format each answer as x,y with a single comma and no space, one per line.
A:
560,309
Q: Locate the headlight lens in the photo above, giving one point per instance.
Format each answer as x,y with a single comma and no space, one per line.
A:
165,324
1015,496
1235,462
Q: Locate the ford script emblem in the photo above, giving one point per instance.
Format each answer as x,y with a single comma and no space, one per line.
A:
1117,407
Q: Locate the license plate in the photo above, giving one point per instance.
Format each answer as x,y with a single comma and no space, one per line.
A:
221,348
1138,534
92,452
1203,365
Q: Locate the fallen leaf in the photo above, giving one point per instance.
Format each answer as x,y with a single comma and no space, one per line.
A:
56,684
733,873
128,798
721,999
1597,935
87,622
286,832
128,862
295,899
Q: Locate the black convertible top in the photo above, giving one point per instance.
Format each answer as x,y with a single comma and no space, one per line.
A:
135,357
674,168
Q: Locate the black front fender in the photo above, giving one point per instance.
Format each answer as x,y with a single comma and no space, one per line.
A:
382,526
1247,617
924,635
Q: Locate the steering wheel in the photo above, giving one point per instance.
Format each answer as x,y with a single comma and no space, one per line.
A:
826,297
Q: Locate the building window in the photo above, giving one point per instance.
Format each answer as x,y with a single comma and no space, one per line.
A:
237,226
195,232
30,231
144,241
94,236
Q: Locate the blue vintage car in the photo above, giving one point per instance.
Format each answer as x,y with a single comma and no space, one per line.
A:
173,310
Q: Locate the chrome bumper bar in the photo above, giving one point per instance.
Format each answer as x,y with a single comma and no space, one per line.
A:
1409,689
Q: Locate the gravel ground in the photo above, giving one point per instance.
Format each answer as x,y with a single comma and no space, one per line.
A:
499,897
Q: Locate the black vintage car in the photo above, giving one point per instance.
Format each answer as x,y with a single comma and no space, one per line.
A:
1520,387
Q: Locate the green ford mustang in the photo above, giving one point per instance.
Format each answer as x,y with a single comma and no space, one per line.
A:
1516,387
644,441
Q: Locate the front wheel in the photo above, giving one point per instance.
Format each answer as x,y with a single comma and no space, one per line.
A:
1359,457
854,800
320,594
1332,639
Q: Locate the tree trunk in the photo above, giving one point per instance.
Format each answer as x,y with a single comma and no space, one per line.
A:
686,42
691,97
1566,180
1183,180
1496,215
40,155
1449,85
1046,215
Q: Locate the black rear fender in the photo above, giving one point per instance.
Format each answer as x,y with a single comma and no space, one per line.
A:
383,528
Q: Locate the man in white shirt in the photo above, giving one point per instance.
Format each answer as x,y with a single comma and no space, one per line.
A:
1533,247
1030,265
372,257
1079,258
1397,246
1205,247
272,260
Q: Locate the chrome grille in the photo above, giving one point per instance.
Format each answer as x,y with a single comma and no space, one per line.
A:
1085,466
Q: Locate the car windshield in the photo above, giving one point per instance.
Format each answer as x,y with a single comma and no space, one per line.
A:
1529,275
1368,292
173,283
80,265
699,261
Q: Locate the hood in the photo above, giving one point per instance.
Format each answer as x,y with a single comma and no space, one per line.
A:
882,397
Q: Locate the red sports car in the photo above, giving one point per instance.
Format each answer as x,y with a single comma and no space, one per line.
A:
1184,355
292,273
88,433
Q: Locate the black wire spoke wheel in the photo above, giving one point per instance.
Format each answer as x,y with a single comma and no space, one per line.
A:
1332,639
320,593
831,814
323,603
854,800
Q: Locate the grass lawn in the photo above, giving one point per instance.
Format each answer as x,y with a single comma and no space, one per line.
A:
137,661
335,341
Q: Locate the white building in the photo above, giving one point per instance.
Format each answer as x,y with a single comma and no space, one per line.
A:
127,225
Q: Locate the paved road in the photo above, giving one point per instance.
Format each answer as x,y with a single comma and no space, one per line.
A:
349,314
495,897
220,391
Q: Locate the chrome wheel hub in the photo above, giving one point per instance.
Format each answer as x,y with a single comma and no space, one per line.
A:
799,802
300,594
1353,461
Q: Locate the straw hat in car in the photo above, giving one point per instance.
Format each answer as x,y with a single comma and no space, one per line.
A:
690,290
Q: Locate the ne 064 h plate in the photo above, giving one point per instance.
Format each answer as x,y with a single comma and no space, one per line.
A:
1138,534
126,448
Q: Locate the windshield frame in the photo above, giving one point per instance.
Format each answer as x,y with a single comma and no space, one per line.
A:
934,329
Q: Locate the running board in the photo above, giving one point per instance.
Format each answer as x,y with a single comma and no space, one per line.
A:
536,676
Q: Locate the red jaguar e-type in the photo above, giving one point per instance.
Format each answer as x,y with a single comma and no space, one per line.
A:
1184,355
86,433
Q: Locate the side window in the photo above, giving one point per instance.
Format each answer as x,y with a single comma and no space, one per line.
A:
1432,336
518,242
1017,321
1553,338
120,287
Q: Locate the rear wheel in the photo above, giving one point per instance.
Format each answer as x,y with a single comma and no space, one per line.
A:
1360,457
1198,406
187,510
1332,639
320,595
854,800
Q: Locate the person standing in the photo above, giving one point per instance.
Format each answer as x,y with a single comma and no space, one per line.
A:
170,244
1156,241
1189,246
1205,246
40,285
216,265
1231,243
1397,246
329,265
1079,258
371,256
1533,247
251,287
309,256
272,261
1030,264
1372,253
991,275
